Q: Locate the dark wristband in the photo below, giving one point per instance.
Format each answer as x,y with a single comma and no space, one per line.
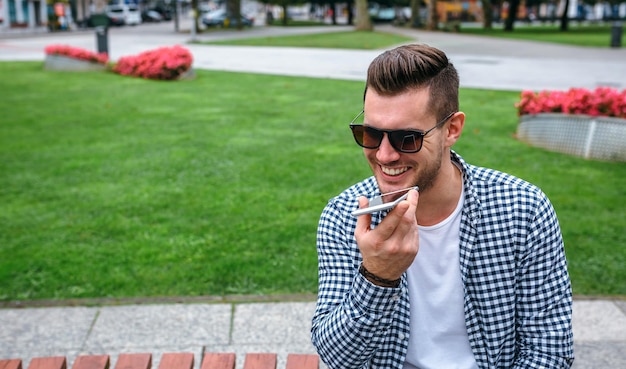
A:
382,281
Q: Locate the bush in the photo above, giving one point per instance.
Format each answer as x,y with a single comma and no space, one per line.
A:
165,63
603,101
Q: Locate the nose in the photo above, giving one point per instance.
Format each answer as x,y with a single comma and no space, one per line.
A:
386,153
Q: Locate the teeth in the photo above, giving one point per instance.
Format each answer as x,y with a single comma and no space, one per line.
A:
394,171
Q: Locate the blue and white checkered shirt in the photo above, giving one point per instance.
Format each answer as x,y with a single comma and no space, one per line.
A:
518,300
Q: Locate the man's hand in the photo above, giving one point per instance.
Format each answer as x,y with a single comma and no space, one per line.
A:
389,249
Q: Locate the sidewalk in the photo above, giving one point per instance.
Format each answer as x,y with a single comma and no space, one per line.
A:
599,331
283,327
489,63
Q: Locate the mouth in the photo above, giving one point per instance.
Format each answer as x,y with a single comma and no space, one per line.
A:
394,172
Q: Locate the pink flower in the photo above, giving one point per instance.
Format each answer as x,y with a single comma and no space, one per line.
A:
165,63
602,101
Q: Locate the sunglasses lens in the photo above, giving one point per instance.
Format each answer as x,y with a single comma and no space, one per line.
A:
372,138
366,137
405,141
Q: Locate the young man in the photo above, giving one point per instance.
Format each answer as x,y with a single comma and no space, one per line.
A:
469,272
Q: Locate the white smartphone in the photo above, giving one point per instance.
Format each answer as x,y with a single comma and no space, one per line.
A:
379,207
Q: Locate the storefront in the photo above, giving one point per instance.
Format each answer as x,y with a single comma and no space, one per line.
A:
23,13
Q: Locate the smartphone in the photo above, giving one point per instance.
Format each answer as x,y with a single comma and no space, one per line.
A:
379,207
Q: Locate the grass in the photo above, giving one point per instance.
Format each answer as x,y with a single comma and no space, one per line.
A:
588,35
119,187
594,35
345,40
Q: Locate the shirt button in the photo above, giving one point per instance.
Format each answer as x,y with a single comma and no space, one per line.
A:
401,336
395,298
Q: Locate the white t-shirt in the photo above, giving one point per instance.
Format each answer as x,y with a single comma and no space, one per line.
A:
438,334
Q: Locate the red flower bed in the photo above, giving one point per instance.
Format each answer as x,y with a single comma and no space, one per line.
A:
77,53
603,101
165,63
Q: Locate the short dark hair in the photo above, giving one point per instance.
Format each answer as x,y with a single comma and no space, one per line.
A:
416,66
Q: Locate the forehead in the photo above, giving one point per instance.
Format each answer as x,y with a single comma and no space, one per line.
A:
405,110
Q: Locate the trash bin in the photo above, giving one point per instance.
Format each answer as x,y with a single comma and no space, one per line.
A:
101,24
616,34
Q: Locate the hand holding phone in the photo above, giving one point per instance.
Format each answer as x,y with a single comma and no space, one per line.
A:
376,203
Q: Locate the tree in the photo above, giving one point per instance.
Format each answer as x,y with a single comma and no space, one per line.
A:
511,16
233,9
363,20
565,17
196,14
433,17
487,13
416,6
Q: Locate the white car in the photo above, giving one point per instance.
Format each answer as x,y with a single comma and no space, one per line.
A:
129,13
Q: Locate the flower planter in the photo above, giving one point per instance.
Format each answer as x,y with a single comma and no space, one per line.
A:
590,137
60,62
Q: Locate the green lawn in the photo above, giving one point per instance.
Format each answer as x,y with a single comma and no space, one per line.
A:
596,35
115,186
343,39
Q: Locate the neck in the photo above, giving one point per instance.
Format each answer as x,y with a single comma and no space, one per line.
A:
440,200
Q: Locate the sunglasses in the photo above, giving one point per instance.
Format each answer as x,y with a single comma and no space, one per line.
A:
402,140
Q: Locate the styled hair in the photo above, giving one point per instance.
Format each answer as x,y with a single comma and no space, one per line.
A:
416,66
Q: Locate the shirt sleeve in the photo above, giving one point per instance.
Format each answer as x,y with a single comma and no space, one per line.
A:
353,315
544,309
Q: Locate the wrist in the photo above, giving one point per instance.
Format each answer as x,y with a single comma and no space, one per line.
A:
379,281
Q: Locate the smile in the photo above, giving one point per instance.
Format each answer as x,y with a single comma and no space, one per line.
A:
393,171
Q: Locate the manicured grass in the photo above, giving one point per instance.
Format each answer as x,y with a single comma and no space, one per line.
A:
114,186
597,35
342,40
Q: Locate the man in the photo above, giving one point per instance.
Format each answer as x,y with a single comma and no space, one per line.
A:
469,272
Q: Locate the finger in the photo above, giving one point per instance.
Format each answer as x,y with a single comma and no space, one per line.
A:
363,221
404,212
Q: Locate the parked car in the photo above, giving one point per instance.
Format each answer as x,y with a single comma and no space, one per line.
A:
151,16
130,14
165,11
220,18
381,14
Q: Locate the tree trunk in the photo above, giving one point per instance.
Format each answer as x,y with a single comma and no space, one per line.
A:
564,17
487,14
433,17
196,14
285,15
233,8
416,22
512,16
363,20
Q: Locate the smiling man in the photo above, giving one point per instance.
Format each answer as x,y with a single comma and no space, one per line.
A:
468,273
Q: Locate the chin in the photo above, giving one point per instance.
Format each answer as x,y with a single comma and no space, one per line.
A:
389,186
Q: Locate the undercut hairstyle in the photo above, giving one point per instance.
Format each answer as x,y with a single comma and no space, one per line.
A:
416,66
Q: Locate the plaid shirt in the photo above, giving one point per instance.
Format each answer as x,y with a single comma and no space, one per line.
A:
518,300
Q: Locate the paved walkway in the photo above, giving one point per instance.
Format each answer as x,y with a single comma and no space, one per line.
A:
204,326
482,63
281,327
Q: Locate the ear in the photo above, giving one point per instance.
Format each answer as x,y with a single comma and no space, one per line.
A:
455,128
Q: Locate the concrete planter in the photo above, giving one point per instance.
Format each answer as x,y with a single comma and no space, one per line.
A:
59,62
601,138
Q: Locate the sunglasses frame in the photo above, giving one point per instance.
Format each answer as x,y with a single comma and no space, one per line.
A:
416,133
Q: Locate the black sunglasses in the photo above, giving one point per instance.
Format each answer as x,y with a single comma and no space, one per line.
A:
403,140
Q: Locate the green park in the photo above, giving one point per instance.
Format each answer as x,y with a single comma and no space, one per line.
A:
120,187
